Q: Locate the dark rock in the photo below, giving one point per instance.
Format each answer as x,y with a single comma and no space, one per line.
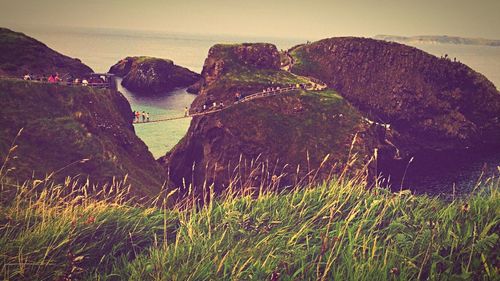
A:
195,88
150,76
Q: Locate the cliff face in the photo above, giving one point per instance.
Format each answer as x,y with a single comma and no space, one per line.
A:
431,103
288,135
235,60
63,125
20,54
149,76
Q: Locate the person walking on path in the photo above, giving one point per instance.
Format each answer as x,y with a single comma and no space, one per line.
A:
186,111
143,116
57,79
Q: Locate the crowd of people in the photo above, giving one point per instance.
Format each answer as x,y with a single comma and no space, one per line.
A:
91,80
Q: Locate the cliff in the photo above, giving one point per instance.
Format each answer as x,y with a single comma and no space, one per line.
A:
20,54
150,76
431,103
285,136
63,125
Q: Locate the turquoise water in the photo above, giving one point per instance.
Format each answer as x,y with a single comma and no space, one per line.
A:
160,137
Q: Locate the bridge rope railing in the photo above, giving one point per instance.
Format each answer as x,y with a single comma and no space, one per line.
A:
257,95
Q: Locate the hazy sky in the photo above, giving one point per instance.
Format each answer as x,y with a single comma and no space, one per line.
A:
283,18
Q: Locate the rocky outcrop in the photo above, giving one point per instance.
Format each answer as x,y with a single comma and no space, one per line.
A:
393,101
151,76
274,141
240,68
430,103
73,131
20,54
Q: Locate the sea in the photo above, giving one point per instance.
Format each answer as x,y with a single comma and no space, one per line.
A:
101,48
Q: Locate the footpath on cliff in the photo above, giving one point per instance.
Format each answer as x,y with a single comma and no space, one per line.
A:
312,85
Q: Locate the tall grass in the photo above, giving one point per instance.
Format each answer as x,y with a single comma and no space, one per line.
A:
338,230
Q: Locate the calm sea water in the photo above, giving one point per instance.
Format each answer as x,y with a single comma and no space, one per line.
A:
101,48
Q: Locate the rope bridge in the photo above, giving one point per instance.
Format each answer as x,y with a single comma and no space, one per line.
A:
258,95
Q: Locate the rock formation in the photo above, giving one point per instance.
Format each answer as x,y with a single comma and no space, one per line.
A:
392,98
151,76
284,136
432,103
20,54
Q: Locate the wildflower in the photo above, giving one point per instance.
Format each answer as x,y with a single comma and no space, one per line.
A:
465,208
394,271
274,178
90,220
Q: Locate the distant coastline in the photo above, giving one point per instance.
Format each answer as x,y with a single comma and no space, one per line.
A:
440,39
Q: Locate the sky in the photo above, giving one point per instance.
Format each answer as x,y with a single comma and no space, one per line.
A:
273,18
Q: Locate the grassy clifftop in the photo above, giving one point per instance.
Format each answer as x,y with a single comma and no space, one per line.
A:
64,125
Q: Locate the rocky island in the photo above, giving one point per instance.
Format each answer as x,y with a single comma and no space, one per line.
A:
431,104
153,76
